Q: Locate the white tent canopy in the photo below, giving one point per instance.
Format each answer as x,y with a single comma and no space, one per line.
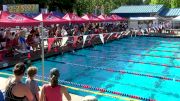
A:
143,18
176,18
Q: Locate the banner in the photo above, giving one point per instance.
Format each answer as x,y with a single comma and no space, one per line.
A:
118,36
101,37
109,36
92,36
84,39
64,40
50,42
75,39
21,8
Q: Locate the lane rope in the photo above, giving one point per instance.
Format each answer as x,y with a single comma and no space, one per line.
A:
156,42
132,61
119,71
142,44
113,51
132,97
104,90
148,49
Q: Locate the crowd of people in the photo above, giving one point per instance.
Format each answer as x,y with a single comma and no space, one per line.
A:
16,90
22,40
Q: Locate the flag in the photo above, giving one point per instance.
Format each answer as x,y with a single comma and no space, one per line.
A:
109,36
64,40
92,36
84,39
101,37
118,36
50,42
75,38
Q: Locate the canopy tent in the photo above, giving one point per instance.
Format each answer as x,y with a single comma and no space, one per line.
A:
105,18
91,18
12,19
49,18
117,18
142,18
176,18
73,18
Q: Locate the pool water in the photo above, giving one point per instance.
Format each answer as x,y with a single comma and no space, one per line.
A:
143,55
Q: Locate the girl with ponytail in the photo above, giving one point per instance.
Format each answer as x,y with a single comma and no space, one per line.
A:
54,91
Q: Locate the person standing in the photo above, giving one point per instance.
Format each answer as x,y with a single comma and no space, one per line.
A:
54,91
31,83
15,89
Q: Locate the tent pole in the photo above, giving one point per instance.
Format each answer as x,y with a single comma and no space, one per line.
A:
42,50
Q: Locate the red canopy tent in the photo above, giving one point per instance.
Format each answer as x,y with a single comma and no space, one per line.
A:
91,18
73,18
105,18
11,20
49,18
117,18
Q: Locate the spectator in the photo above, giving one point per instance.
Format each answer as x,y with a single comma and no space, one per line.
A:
31,83
54,91
23,48
63,32
30,41
15,89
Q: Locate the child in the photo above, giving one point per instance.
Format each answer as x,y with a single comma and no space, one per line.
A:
31,83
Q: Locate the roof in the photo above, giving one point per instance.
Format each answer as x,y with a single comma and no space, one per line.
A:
139,9
170,12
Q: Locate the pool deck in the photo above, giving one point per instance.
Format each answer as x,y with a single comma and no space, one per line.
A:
74,97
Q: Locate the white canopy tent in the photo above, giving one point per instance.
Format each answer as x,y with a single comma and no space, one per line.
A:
142,22
142,18
176,18
176,22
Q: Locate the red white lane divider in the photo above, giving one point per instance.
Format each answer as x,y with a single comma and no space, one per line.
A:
102,90
147,49
140,54
132,61
119,71
140,44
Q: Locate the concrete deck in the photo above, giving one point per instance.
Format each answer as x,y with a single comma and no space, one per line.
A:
74,97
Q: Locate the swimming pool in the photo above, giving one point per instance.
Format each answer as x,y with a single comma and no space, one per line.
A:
134,66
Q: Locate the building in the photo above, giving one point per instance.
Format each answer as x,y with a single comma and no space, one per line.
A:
146,15
139,10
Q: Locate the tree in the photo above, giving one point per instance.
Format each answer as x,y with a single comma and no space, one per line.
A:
146,2
175,3
166,3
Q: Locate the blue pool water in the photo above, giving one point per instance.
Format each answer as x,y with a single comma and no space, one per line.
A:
115,55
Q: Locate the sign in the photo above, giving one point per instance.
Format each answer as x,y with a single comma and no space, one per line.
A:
21,8
13,16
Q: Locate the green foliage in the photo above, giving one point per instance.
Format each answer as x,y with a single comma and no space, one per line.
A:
175,3
167,3
84,6
147,2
